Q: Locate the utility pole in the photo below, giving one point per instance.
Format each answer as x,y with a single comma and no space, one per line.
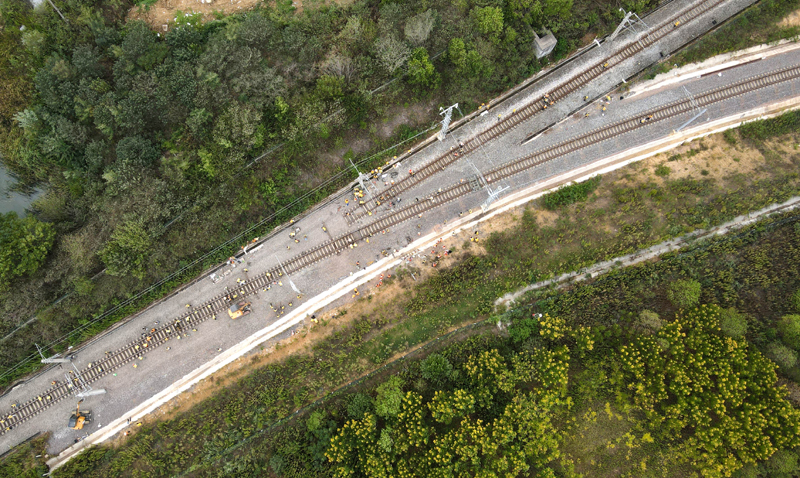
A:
448,114
57,10
695,107
54,358
361,177
85,389
627,23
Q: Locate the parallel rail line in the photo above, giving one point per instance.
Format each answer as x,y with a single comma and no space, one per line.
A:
502,127
664,112
180,326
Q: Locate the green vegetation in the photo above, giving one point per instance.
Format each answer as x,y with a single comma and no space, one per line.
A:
26,460
570,194
24,244
150,145
684,293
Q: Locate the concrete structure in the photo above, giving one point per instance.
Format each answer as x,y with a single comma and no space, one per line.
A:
544,45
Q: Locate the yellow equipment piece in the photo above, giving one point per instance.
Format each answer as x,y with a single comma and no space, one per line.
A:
77,420
239,309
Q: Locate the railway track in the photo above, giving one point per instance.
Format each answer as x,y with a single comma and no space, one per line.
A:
571,85
181,326
625,126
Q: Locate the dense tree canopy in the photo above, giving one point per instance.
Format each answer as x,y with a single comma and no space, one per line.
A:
24,244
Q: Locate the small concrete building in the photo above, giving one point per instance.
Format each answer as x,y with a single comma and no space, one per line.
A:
544,45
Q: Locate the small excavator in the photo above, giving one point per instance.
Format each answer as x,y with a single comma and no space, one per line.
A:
78,419
239,309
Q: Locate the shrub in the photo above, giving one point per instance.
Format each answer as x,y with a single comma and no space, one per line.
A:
662,170
733,323
684,293
570,194
730,136
789,327
782,355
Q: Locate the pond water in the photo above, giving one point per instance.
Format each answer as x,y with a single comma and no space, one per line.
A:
12,201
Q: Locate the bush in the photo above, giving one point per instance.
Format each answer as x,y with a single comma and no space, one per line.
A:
684,293
733,323
730,136
789,327
782,355
570,194
662,170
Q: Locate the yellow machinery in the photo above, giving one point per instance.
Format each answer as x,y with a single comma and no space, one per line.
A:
77,420
239,309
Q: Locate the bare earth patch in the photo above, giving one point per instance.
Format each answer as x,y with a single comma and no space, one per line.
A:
160,14
791,20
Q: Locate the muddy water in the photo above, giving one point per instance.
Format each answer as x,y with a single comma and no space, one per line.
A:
12,201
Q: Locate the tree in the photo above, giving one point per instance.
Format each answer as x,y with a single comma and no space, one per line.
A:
649,321
24,244
782,355
724,418
783,464
358,404
540,12
127,251
794,301
421,71
137,151
446,406
436,369
392,53
733,323
488,20
789,327
457,53
390,396
419,27
684,293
